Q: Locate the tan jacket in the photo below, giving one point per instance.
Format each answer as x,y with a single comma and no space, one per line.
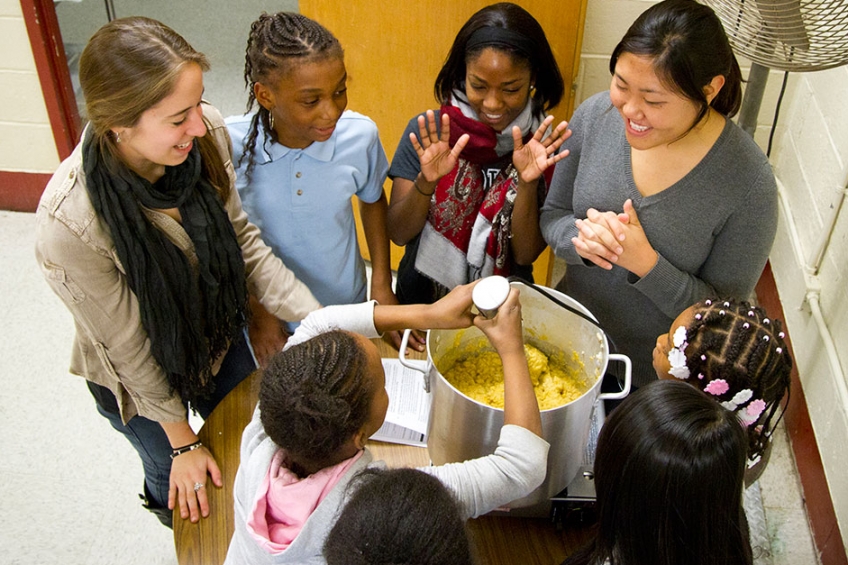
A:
78,258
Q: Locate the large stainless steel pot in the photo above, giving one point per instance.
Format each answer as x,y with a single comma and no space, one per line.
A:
461,428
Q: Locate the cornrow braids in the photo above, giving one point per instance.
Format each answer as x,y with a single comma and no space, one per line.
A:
735,342
314,397
276,43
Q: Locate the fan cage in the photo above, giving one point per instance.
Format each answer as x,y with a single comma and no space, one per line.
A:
788,35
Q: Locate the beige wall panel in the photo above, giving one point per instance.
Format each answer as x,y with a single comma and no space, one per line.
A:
27,148
394,50
14,45
21,99
10,8
26,139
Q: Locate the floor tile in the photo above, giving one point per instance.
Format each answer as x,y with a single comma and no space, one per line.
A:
790,537
779,482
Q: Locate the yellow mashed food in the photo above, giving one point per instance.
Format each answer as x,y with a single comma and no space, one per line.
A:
479,375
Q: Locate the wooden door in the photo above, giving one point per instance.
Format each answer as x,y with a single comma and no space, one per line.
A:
394,50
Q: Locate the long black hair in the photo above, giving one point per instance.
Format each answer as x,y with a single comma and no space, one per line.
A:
524,40
669,476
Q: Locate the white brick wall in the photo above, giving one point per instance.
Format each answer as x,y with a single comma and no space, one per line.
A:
26,139
810,159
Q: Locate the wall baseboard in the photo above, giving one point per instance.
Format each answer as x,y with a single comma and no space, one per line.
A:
817,499
19,192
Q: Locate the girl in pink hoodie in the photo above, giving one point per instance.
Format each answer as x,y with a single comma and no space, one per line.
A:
324,395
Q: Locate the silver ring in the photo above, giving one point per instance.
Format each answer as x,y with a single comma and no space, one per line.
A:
198,486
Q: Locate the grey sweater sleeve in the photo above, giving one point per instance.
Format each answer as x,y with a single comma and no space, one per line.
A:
517,466
557,216
741,242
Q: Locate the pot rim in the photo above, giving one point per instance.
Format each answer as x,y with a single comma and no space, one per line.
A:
603,346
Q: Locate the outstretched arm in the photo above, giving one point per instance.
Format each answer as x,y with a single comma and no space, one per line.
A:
504,331
519,463
451,312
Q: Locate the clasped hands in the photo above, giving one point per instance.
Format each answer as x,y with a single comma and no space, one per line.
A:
607,239
530,159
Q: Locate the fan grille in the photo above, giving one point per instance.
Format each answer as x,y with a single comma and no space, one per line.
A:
788,35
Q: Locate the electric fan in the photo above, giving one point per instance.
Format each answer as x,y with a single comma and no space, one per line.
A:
788,35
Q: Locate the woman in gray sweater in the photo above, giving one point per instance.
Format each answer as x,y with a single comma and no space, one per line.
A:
663,201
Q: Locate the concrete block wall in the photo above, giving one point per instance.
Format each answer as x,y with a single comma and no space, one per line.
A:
26,139
811,161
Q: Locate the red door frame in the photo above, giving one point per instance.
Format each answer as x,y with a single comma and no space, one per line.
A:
52,66
20,191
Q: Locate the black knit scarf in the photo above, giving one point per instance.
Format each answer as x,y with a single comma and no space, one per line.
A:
190,315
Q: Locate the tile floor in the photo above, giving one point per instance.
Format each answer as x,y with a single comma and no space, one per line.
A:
69,482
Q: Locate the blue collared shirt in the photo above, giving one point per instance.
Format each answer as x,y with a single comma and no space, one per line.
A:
301,201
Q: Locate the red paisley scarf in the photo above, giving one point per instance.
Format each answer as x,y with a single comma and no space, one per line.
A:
468,229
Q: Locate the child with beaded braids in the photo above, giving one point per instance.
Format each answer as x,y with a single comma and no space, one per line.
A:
300,158
736,354
324,395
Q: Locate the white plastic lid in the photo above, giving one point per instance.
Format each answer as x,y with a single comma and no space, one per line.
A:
489,294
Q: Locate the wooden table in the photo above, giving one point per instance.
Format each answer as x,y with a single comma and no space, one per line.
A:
496,539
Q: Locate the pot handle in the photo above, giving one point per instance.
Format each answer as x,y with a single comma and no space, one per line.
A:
628,378
424,372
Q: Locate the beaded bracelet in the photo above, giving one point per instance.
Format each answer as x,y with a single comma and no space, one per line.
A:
185,449
421,192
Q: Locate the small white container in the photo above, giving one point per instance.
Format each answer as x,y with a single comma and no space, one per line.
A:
489,294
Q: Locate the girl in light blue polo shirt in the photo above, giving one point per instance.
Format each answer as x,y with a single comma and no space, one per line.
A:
300,157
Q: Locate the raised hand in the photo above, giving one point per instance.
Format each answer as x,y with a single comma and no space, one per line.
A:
437,157
533,158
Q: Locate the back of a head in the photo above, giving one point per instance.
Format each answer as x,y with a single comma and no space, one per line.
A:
738,355
669,476
399,516
688,46
315,396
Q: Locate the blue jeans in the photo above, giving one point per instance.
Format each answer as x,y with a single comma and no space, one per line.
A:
147,436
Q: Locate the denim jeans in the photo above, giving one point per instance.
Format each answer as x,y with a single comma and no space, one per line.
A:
147,436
